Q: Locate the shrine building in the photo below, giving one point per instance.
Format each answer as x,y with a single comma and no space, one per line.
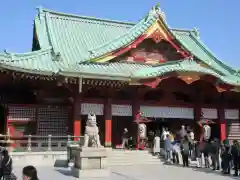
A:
80,65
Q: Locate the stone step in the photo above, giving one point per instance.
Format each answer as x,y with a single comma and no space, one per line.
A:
134,157
129,155
131,164
134,161
128,152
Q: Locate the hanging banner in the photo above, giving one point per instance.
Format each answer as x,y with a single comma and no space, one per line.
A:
91,108
167,112
209,113
121,110
231,113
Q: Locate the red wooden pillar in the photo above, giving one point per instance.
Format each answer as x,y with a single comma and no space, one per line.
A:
222,123
136,117
77,117
197,115
108,122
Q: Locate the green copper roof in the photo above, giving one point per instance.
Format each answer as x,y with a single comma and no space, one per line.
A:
123,40
80,38
194,45
74,36
105,70
68,43
37,62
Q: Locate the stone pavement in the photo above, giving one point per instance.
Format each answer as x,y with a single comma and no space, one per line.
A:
141,172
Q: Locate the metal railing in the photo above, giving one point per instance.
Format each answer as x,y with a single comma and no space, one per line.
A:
34,143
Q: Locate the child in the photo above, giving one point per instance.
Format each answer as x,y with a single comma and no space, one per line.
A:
226,159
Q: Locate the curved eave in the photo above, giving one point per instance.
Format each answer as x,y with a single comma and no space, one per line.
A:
36,62
92,75
190,68
24,70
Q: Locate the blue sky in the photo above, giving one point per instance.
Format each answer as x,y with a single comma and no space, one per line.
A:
217,20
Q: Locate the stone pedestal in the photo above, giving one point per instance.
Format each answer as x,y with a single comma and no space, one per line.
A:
90,162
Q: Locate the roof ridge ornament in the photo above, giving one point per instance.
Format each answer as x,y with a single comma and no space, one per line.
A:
6,51
57,56
157,12
196,32
39,11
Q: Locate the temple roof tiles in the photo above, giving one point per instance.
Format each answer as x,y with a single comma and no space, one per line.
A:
69,42
37,62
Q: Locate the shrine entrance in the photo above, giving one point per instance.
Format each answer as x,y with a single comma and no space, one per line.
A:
156,124
215,131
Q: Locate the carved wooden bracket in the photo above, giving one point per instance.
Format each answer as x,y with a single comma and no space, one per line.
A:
156,36
223,87
153,83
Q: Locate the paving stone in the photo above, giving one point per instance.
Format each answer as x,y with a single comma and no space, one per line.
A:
141,172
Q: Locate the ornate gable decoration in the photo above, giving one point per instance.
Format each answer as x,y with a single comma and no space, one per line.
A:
152,26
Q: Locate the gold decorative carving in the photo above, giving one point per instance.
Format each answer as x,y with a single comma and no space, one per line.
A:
156,36
189,79
219,89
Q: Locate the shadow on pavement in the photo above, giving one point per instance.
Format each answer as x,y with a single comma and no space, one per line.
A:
65,172
61,163
205,170
210,171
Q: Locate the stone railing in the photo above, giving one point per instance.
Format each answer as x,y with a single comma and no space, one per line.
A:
33,143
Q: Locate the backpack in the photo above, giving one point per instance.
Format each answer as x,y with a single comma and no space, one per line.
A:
7,167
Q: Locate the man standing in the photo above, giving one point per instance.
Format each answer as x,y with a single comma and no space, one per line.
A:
168,147
215,154
185,151
236,156
125,138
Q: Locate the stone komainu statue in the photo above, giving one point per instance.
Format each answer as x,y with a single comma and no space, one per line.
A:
91,136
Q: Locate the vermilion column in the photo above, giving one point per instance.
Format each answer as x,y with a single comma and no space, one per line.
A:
77,117
108,122
136,116
222,123
197,118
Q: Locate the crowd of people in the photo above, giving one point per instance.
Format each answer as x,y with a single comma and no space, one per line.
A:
28,172
209,152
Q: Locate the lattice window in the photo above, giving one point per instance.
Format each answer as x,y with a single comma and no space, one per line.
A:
52,121
21,113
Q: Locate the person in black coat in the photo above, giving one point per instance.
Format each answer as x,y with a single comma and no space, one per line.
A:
185,146
235,151
226,160
215,156
6,165
206,152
